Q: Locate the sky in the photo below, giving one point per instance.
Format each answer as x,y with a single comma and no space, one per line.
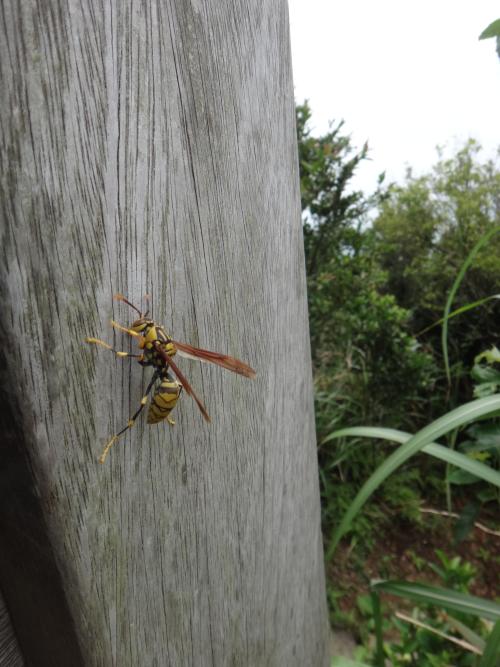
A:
406,76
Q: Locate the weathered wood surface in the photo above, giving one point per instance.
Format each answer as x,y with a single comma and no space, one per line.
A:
10,653
149,147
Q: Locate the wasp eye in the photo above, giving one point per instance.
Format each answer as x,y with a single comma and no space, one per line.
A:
142,325
139,325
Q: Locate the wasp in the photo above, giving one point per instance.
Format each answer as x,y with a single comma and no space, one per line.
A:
157,349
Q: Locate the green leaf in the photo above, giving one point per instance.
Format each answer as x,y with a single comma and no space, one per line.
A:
441,597
365,604
482,440
485,389
485,434
491,655
485,374
490,356
472,466
462,478
493,30
459,417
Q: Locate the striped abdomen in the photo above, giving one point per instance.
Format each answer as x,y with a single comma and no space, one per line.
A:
164,399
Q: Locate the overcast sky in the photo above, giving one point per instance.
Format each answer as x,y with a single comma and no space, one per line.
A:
406,76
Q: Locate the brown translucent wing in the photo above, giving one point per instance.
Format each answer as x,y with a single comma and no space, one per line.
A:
184,382
229,363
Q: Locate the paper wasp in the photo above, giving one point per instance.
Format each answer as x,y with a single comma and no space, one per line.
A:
158,348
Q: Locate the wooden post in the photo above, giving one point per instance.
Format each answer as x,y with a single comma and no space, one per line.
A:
149,147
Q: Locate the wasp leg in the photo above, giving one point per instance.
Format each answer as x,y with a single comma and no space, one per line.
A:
130,422
118,353
130,332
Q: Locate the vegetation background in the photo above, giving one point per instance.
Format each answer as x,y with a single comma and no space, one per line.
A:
381,267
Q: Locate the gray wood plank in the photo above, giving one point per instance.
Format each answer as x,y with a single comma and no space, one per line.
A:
149,147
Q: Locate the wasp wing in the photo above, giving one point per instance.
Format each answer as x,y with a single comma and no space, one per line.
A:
184,382
229,363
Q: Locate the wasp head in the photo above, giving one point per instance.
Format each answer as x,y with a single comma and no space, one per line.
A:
142,325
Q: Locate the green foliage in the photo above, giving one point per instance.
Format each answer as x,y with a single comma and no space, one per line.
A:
431,636
469,260
454,572
365,349
423,647
424,233
334,211
367,365
493,30
381,268
362,350
483,439
491,654
462,415
486,372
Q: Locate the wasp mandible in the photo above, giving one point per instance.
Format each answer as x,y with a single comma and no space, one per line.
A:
158,348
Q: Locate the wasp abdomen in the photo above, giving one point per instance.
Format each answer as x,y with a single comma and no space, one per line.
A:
164,399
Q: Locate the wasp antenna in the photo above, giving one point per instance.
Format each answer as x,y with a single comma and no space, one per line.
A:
120,297
147,299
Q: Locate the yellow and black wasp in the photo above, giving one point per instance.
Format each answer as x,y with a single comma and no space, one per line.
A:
158,348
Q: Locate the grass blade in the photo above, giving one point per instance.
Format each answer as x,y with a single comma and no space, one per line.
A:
460,311
441,597
463,415
446,454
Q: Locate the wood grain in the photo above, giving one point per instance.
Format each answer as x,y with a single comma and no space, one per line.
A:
149,147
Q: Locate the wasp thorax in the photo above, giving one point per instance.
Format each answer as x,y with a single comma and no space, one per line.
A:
141,325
